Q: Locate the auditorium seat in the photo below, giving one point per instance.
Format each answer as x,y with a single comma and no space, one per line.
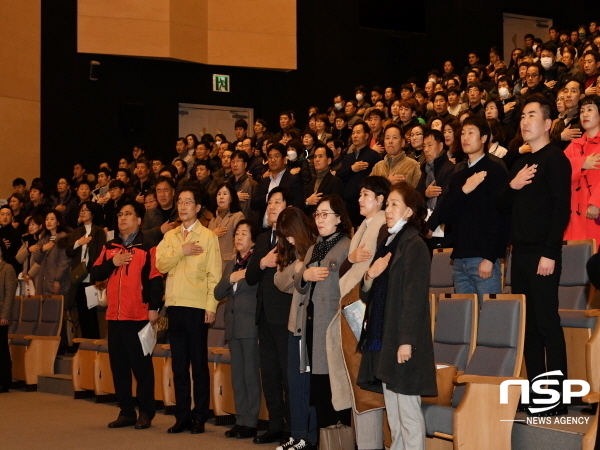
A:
589,439
83,368
33,353
441,280
16,316
578,321
497,357
456,329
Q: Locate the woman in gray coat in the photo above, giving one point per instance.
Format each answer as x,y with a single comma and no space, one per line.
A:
319,280
241,332
396,339
227,216
54,275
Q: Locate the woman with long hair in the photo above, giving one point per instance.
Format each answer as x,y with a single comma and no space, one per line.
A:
344,360
318,281
17,205
223,224
241,332
54,274
451,131
27,251
397,320
296,233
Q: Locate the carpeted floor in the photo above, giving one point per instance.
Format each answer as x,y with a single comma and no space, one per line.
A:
39,421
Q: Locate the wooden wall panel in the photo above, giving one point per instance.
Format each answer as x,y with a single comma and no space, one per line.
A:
20,52
244,33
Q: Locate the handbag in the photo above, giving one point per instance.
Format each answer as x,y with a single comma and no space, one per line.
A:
337,437
444,375
80,271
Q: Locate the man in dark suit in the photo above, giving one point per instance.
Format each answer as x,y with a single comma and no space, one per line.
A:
272,312
436,172
324,183
355,167
279,177
157,221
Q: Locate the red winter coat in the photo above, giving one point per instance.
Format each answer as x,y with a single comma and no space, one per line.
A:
585,189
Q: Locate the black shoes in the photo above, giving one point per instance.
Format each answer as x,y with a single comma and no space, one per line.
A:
269,437
179,427
123,421
231,433
143,422
197,427
246,432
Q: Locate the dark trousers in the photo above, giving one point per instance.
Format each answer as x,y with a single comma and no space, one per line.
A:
5,362
320,398
126,355
273,349
88,318
545,348
188,337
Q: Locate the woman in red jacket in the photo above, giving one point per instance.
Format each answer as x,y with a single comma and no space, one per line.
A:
584,154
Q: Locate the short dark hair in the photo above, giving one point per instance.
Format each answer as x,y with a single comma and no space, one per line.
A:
454,90
360,88
278,147
540,68
105,171
125,171
377,112
594,53
364,124
241,123
203,162
544,103
416,202
116,184
378,185
296,145
590,100
395,126
288,195
138,208
436,134
145,162
86,182
407,87
480,123
80,163
167,180
440,94
263,122
529,36
183,162
476,85
328,151
171,169
19,182
199,193
551,47
508,81
377,89
39,187
249,224
240,154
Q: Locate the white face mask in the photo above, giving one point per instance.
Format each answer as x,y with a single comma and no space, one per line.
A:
546,62
292,155
399,225
218,142
504,93
359,97
338,106
432,80
534,47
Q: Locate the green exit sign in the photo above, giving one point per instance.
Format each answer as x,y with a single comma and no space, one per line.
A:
221,83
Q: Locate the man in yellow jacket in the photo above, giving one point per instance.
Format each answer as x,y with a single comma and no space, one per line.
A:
190,256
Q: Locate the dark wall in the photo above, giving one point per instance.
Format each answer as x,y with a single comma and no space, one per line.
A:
338,48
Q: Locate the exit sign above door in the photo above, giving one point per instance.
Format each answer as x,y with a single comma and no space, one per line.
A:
221,83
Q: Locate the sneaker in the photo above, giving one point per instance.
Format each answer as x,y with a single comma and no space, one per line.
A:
304,445
288,445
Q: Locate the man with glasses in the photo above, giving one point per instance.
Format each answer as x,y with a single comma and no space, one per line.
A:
116,190
279,177
190,257
134,293
158,221
475,94
534,79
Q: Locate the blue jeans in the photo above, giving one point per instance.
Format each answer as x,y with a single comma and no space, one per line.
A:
304,416
467,279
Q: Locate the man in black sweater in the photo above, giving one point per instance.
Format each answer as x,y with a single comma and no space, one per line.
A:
355,167
470,208
539,198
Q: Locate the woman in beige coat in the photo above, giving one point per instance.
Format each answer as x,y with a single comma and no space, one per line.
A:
227,216
344,360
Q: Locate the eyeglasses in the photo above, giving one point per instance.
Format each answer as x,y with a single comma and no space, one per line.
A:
322,215
274,158
83,211
125,214
185,203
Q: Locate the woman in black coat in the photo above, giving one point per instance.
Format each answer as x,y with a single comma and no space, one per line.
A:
396,339
85,244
